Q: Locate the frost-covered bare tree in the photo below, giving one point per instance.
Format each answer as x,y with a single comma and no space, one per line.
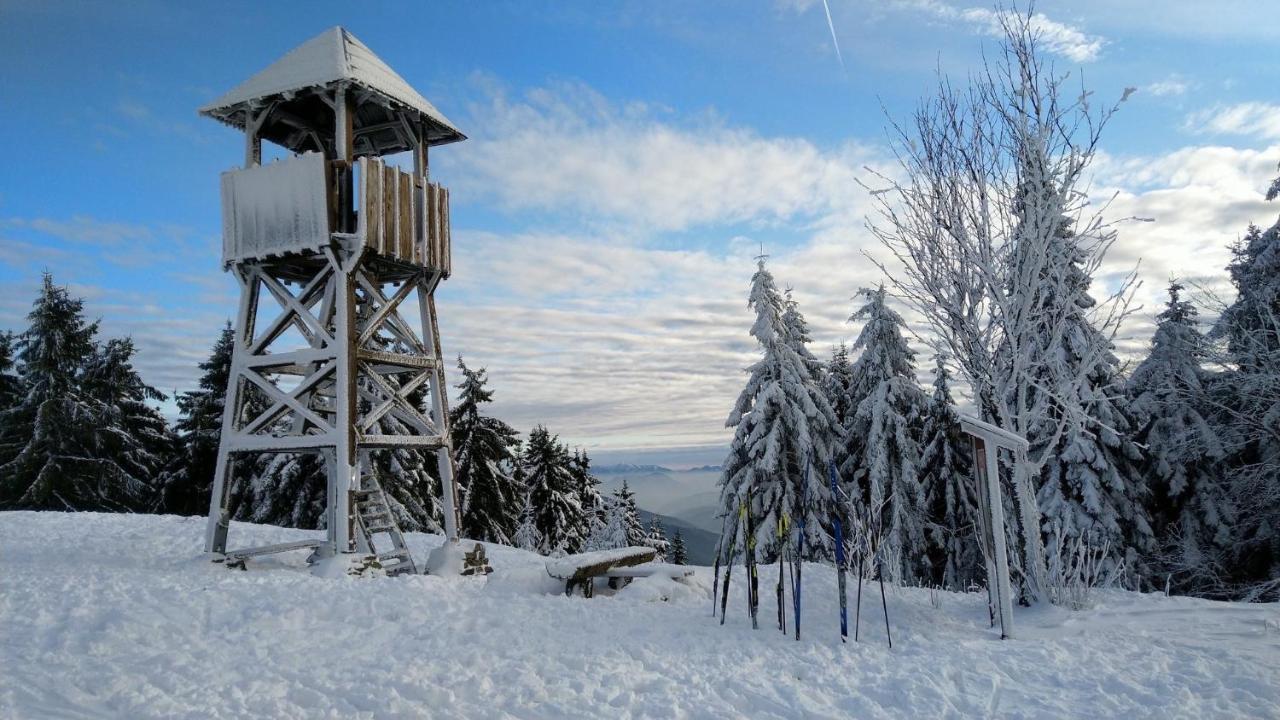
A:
975,221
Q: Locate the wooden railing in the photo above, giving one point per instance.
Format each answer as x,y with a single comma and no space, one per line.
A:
403,218
294,206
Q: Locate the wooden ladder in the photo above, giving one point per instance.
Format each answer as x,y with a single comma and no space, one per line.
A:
376,522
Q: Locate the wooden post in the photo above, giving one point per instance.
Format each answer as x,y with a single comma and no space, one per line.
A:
215,540
439,406
344,463
995,507
252,142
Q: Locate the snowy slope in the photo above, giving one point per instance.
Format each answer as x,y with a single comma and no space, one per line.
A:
117,616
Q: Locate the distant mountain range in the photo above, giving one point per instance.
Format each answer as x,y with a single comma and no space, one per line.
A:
627,469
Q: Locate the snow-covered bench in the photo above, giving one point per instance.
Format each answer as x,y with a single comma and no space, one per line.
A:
579,570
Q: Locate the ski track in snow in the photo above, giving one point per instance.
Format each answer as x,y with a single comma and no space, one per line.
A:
105,616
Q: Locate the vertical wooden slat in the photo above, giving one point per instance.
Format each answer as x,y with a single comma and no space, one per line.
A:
429,227
405,222
389,187
446,236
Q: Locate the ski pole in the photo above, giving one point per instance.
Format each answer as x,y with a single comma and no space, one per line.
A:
840,564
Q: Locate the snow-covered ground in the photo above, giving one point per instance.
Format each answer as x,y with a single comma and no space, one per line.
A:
118,616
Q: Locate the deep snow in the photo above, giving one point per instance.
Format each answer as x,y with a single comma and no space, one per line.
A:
119,616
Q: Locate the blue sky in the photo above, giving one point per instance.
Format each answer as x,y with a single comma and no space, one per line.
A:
626,160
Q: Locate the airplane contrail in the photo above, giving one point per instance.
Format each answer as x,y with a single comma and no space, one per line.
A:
832,25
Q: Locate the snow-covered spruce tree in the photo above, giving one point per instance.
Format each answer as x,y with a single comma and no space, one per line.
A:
836,382
946,476
976,257
779,419
812,496
484,449
626,501
187,479
67,449
557,508
882,465
1091,485
588,485
656,538
132,434
1248,406
613,532
679,555
526,536
1192,514
10,383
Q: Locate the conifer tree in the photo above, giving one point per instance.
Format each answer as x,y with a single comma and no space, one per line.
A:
555,499
1192,513
780,419
1248,401
955,559
836,382
483,453
132,434
65,446
625,499
882,453
679,555
656,538
1091,486
10,385
610,534
187,480
588,485
527,536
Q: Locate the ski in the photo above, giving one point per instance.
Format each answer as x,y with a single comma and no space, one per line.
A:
799,555
840,564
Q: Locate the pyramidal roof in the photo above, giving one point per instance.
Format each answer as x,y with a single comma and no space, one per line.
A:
332,57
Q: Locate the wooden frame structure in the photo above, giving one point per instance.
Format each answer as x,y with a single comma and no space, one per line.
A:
338,256
986,440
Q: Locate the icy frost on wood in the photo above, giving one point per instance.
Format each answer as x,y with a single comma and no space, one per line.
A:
275,209
572,567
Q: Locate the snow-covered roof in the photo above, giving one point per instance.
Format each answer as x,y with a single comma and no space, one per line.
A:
1001,437
332,57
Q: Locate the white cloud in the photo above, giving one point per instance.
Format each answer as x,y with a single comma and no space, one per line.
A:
1173,85
1059,38
1255,119
569,149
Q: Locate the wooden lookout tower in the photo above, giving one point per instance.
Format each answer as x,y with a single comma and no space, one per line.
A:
337,254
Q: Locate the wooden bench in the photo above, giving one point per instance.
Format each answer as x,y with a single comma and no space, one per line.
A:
579,570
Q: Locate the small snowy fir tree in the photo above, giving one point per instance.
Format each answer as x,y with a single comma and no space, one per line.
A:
656,538
780,419
526,536
626,500
882,454
612,533
955,560
1192,513
836,382
588,485
69,446
483,449
555,499
187,480
679,555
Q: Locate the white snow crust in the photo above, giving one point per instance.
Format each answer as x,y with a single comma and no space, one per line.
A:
121,616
